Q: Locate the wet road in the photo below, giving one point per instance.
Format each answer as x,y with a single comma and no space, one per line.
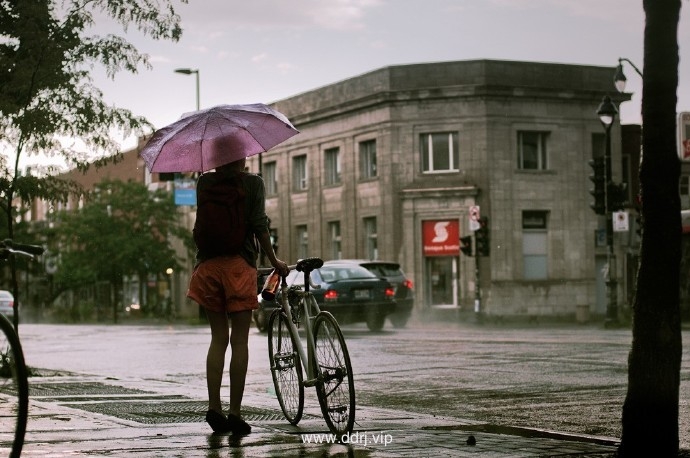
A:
563,378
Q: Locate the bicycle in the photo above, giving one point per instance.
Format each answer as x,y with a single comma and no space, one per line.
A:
326,361
14,382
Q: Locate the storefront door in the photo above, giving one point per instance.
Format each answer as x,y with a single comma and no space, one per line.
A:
442,280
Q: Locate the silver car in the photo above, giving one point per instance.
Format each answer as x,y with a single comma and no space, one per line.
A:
6,303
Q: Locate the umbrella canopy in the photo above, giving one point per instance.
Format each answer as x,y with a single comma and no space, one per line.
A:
206,139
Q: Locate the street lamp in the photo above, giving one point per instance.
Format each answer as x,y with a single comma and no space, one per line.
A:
619,78
607,112
189,71
170,309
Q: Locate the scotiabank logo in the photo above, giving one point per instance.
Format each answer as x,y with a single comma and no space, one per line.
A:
441,238
440,232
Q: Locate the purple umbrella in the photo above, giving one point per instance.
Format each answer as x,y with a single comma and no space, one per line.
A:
206,139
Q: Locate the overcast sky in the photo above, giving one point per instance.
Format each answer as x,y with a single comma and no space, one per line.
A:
266,50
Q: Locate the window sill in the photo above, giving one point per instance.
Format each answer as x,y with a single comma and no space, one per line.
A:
536,172
440,172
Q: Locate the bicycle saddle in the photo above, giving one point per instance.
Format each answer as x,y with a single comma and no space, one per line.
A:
309,264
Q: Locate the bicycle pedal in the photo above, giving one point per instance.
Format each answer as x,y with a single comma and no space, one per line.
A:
309,383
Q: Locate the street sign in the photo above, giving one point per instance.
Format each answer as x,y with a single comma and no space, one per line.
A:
474,218
620,221
684,136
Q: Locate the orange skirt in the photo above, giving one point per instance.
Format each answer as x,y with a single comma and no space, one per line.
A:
224,284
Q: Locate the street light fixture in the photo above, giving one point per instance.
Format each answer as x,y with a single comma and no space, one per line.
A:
189,71
619,78
607,112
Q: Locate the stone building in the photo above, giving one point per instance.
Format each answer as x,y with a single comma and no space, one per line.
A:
389,163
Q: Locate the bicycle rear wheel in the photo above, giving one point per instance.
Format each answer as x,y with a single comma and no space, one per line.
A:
335,387
286,366
14,391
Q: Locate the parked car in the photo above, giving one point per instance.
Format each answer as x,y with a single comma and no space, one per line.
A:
349,291
404,298
6,303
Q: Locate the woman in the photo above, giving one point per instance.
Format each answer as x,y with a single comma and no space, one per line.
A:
225,285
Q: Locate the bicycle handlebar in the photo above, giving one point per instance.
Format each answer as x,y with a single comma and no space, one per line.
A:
306,265
22,248
268,270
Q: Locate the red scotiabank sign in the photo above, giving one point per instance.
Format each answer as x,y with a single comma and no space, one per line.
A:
441,237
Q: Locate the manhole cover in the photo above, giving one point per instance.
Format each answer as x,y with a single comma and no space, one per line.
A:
153,411
80,389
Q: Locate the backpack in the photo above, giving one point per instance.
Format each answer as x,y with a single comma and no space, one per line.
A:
220,227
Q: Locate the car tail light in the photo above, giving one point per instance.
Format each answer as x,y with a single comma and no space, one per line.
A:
331,295
12,304
390,292
407,284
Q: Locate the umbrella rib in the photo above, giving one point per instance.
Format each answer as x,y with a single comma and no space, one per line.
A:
201,146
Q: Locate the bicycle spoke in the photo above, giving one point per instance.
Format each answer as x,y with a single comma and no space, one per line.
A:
335,387
286,367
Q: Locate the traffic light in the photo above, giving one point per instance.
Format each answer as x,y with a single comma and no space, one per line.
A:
482,237
617,196
466,245
598,165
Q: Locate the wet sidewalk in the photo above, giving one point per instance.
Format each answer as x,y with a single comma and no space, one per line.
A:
80,415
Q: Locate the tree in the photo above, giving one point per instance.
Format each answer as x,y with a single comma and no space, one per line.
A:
48,103
122,230
650,411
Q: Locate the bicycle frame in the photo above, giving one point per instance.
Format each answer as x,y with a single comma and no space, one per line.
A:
308,302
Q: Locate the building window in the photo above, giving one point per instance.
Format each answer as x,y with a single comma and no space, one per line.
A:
439,152
268,173
332,165
367,159
299,173
370,238
534,244
334,232
302,242
532,152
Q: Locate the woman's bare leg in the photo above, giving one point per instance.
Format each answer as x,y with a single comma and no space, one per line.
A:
239,339
215,359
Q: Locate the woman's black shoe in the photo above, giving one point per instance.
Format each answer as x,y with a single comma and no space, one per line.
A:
217,422
238,426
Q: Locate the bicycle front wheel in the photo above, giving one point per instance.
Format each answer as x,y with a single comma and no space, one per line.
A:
335,387
286,366
14,391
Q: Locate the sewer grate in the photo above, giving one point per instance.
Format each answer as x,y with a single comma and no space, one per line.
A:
153,411
80,389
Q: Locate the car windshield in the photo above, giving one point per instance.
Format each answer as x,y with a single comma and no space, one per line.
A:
386,270
330,274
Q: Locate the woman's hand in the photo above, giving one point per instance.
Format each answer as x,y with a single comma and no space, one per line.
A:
281,267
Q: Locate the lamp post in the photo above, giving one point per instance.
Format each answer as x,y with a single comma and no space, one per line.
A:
170,306
189,71
607,112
